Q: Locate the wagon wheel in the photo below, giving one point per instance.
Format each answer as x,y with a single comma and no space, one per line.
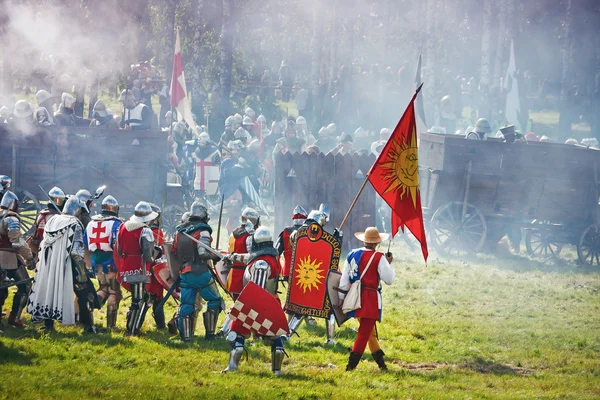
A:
29,208
455,234
541,244
588,248
171,217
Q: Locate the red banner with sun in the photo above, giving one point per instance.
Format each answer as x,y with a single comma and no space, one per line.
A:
315,252
395,177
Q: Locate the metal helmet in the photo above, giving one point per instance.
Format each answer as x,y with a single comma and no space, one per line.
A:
247,121
4,113
261,118
67,100
156,222
155,208
250,214
318,217
42,96
237,119
127,94
384,134
10,201
483,126
325,210
73,206
199,211
203,138
229,121
85,197
250,113
185,217
332,128
42,116
22,110
180,127
299,215
262,235
143,213
57,196
5,181
235,145
110,205
301,121
243,135
254,145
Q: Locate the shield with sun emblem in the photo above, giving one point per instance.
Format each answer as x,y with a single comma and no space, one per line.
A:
314,253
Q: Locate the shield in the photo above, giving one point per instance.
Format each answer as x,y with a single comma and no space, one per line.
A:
206,175
172,261
222,272
248,188
333,284
314,253
260,312
164,277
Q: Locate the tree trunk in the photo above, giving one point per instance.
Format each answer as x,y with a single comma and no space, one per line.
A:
198,95
170,37
333,44
226,56
501,43
565,119
486,44
316,51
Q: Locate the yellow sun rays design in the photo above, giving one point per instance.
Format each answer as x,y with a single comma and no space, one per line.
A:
309,274
401,170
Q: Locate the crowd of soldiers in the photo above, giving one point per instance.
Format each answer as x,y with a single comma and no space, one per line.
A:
69,247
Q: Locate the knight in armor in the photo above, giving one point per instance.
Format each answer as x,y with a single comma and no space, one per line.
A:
233,170
482,129
135,246
101,118
345,145
86,199
284,242
23,118
65,116
263,268
54,206
320,217
155,288
14,256
290,142
195,276
240,241
5,182
136,116
384,136
228,133
61,270
100,238
206,159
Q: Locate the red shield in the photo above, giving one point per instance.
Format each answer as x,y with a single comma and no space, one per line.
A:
315,252
259,312
163,277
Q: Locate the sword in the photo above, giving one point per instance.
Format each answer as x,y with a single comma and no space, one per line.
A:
220,218
161,305
205,246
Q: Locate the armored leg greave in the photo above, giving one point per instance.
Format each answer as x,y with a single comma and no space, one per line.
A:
186,328
224,331
330,329
86,310
378,357
353,360
159,315
294,322
210,322
277,353
236,352
194,320
138,308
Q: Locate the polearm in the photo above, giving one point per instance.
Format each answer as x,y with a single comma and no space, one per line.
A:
220,219
362,187
205,246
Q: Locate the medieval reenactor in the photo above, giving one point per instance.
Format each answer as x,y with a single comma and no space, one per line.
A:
228,133
370,267
263,270
195,274
284,242
233,170
101,118
14,254
482,129
135,247
86,199
155,288
137,117
5,182
205,160
100,238
61,270
65,116
54,206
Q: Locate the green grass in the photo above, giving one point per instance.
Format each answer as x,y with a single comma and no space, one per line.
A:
476,328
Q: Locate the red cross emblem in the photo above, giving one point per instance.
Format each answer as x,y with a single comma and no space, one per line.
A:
98,240
202,164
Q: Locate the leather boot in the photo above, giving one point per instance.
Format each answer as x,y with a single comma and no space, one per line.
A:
378,357
12,320
353,360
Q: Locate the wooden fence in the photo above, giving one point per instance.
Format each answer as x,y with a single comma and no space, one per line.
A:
309,180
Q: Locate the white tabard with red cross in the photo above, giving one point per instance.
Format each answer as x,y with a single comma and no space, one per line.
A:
98,235
206,175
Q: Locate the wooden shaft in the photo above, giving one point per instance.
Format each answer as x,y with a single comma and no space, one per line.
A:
354,202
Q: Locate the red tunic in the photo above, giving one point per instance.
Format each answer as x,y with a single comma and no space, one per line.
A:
235,280
131,258
287,250
369,295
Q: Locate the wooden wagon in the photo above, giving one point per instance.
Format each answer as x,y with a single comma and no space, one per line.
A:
132,164
475,192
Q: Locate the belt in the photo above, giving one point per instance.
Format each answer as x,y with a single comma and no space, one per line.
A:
370,288
129,255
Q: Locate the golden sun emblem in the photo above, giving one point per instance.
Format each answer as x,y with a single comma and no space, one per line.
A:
401,169
309,274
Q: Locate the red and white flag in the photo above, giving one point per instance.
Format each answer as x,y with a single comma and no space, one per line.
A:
179,100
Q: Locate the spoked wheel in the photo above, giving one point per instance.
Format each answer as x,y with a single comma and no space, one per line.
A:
171,218
457,232
588,248
29,208
541,244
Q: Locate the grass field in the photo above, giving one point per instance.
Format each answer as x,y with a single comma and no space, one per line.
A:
477,328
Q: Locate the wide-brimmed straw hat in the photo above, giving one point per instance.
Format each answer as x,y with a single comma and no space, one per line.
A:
371,235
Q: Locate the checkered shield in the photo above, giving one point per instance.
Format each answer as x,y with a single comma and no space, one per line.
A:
250,191
259,312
